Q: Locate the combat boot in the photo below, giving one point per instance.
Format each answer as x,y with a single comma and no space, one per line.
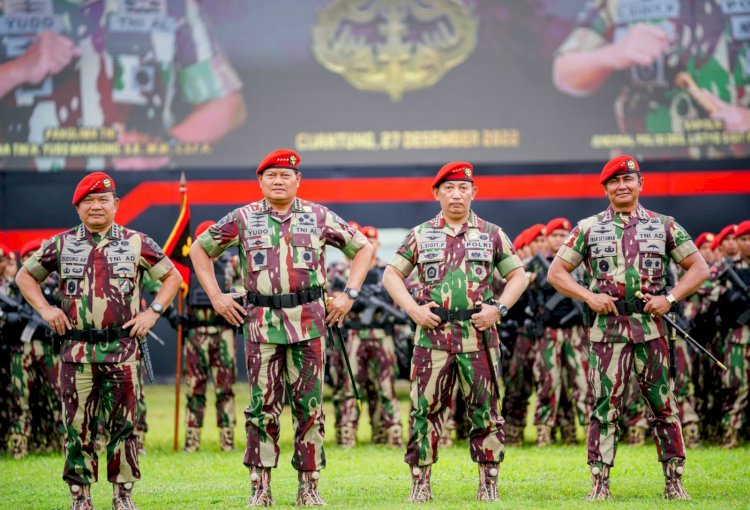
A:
260,481
226,439
379,435
192,439
487,490
513,435
80,497
123,499
673,469
600,483
421,492
543,435
346,437
18,445
636,435
731,438
692,435
568,433
140,441
395,436
307,492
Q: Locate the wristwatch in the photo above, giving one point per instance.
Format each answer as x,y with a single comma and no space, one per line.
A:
352,293
156,307
671,299
502,309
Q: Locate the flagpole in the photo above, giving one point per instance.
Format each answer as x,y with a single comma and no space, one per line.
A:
178,364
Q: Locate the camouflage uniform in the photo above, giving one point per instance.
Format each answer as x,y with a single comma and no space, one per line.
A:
6,398
100,285
624,256
455,270
210,349
736,380
711,44
136,58
285,346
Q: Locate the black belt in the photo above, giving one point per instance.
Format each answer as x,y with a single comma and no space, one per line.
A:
286,300
629,307
454,315
99,335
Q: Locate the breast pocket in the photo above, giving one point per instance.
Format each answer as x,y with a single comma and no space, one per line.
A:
603,260
72,287
306,251
122,278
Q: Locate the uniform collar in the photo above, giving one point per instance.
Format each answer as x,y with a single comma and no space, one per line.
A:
439,220
265,207
114,232
609,214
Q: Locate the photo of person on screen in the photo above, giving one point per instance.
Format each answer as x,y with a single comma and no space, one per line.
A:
125,65
685,68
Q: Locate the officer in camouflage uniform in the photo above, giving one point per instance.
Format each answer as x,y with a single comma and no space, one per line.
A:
735,310
371,349
281,240
119,64
101,266
6,399
626,249
562,349
210,349
669,55
455,255
34,376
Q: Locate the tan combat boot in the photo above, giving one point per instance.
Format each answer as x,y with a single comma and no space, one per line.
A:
123,498
18,445
226,439
673,470
140,441
487,490
731,438
379,435
568,433
421,492
513,435
395,436
260,481
600,483
192,439
80,497
692,435
346,437
636,435
543,435
307,492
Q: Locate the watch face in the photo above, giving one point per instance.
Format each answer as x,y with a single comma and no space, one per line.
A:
352,293
503,310
157,307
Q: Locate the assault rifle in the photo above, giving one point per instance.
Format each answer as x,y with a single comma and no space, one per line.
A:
14,312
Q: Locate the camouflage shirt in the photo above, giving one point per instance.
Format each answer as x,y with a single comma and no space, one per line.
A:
712,45
624,257
455,270
136,58
281,255
100,285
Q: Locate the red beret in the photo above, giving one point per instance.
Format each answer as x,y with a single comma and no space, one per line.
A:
202,227
4,250
557,224
534,231
454,171
517,241
705,237
728,230
354,225
95,182
743,229
369,232
280,158
30,247
619,166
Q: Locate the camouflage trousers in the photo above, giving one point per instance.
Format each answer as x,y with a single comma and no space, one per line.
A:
109,390
295,371
6,397
561,366
433,376
636,413
210,351
373,365
736,380
35,373
519,381
611,366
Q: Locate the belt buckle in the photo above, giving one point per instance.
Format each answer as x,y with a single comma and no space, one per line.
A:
286,300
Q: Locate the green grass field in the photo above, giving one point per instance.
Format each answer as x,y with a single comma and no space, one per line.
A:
376,476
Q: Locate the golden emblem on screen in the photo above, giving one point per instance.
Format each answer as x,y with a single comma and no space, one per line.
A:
394,46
